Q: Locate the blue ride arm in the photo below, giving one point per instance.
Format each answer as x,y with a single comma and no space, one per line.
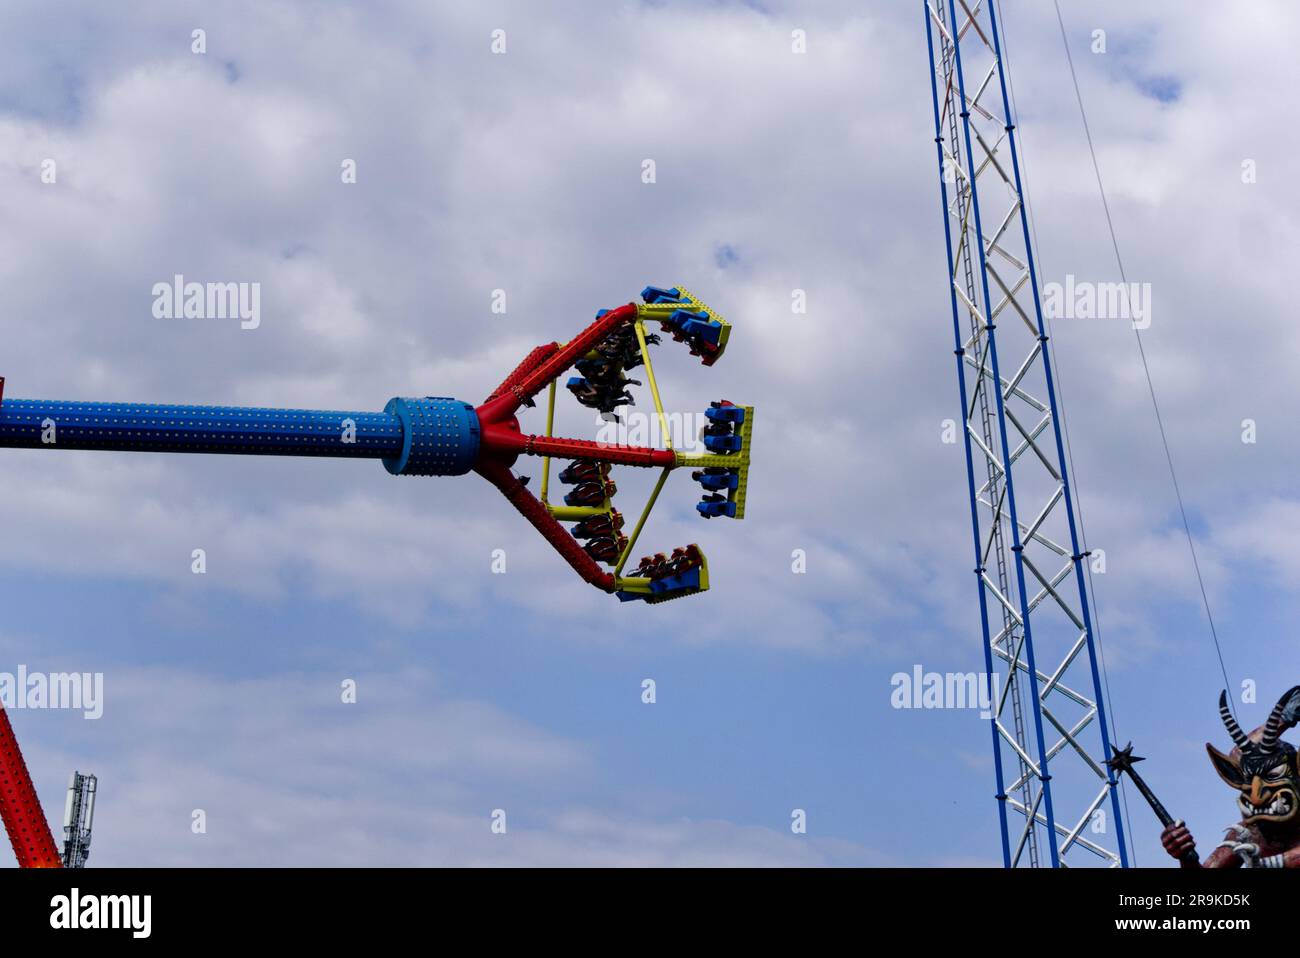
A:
414,436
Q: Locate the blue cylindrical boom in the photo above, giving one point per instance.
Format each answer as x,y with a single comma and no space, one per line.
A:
413,436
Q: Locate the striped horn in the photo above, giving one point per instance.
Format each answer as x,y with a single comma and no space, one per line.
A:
1238,736
1273,727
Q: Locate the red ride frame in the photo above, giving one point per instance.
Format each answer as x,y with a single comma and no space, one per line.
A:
501,442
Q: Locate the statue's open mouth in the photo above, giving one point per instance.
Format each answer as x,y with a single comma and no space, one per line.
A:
1281,807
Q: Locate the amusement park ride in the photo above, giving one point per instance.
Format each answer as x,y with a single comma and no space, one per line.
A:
1056,772
432,436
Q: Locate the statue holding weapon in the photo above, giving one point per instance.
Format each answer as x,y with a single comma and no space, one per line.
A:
1264,771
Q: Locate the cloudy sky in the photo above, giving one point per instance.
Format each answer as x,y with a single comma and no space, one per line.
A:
522,171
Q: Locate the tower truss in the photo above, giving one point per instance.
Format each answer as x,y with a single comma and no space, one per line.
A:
1057,800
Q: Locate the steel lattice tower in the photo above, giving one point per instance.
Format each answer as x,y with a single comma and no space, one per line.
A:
1048,721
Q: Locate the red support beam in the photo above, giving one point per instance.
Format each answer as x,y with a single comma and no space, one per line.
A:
617,453
531,362
502,407
504,442
532,509
28,830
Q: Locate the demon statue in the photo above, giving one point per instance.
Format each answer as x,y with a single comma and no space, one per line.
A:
1263,770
